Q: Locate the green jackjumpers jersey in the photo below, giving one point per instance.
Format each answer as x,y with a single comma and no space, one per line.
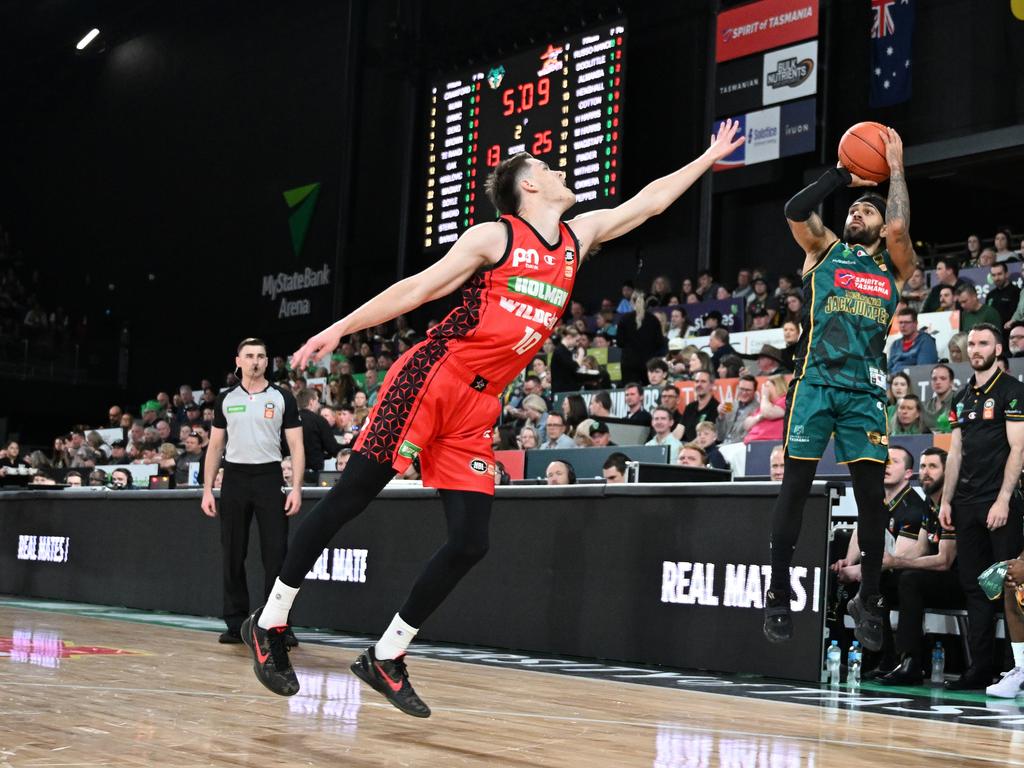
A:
849,300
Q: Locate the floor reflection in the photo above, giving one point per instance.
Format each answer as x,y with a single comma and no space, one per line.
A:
334,697
677,748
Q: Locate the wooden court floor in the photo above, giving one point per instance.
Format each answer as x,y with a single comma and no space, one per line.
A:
81,691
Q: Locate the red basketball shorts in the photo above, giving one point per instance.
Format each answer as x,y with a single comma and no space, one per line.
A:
427,407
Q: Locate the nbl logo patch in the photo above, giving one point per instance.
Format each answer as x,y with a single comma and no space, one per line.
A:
862,282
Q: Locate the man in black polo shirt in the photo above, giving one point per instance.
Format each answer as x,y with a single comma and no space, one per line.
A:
703,408
250,417
981,496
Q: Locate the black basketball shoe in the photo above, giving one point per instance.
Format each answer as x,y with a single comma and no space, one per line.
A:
778,621
868,616
270,656
290,640
391,678
230,637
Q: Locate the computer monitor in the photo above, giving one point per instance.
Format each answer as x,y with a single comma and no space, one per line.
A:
327,479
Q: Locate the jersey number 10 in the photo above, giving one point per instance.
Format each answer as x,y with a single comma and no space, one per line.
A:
530,337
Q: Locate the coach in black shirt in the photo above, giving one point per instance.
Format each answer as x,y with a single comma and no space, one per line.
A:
250,418
981,497
318,439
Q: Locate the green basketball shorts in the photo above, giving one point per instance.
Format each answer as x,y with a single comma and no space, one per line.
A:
814,413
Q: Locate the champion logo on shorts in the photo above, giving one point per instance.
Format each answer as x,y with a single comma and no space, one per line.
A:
862,282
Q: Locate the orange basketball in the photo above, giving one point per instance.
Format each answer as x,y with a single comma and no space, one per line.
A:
862,152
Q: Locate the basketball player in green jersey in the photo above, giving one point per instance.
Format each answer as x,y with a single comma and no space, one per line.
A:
851,288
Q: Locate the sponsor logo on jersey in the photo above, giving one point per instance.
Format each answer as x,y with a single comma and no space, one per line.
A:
268,411
570,255
990,412
537,289
408,450
862,282
549,259
236,409
527,258
530,312
481,467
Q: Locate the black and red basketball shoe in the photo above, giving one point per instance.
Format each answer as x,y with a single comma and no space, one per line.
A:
270,656
390,678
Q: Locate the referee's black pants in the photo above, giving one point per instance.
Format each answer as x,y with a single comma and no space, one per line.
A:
977,548
918,591
245,492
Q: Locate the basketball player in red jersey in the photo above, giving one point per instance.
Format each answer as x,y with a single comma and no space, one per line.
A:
516,276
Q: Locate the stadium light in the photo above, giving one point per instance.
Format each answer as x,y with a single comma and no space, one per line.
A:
87,39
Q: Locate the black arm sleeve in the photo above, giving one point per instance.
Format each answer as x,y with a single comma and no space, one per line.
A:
219,419
810,197
291,410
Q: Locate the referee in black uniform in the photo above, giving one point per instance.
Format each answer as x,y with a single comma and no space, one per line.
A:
250,418
981,496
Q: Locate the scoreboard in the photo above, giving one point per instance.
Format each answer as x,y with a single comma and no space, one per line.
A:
561,102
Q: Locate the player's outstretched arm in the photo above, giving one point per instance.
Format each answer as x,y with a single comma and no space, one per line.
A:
897,209
598,227
477,246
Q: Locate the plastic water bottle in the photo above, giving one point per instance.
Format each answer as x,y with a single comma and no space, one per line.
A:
833,659
938,664
853,659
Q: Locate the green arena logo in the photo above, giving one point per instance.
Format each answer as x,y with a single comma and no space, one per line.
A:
549,294
302,200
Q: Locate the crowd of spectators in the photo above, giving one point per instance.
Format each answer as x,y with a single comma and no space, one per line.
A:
661,342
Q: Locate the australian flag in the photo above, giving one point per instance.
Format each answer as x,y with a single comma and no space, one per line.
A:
892,30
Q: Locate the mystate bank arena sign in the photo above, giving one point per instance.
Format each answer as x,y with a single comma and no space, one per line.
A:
302,202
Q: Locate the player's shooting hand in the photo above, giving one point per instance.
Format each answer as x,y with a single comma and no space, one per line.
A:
893,149
293,502
1015,572
997,515
946,516
857,181
316,348
208,505
724,142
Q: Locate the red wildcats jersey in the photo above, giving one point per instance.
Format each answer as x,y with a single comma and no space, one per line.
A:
509,309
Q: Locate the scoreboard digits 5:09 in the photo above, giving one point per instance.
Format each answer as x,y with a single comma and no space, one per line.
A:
562,103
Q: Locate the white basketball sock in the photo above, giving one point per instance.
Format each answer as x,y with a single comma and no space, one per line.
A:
1018,654
395,639
279,604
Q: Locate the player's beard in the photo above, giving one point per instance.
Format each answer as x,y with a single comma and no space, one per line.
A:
864,236
985,365
933,487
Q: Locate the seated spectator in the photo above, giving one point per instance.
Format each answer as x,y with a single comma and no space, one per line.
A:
582,437
707,438
733,414
43,477
121,479
360,406
692,455
908,416
947,274
657,372
704,407
574,411
777,463
914,347
766,422
915,290
596,375
958,348
661,423
699,361
1016,339
528,438
625,303
791,335
118,453
935,412
193,454
600,405
718,342
504,438
614,469
760,320
947,299
794,302
342,460
535,412
730,367
678,324
1003,296
769,361
560,473
899,387
1001,245
669,398
11,456
166,459
743,287
635,413
973,312
599,434
556,432
73,478
97,478
712,322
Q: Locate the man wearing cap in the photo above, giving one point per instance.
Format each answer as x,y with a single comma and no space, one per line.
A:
851,287
760,320
599,434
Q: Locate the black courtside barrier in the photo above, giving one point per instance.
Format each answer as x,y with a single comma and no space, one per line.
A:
662,574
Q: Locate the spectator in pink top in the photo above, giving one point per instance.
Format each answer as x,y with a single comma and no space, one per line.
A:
766,423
